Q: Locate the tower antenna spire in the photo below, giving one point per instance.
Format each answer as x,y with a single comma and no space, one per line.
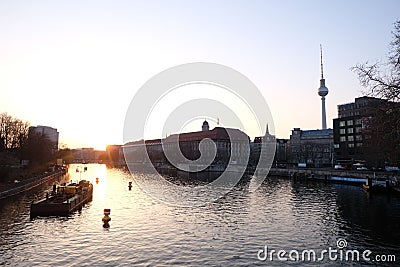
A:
322,92
322,65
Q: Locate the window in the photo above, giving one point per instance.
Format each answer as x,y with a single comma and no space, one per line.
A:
342,123
351,145
342,131
357,122
358,137
335,145
350,138
358,129
359,144
343,139
349,122
350,130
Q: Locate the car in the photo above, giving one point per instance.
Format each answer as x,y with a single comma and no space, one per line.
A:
338,167
392,169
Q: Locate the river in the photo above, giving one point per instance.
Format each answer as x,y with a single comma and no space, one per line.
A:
232,231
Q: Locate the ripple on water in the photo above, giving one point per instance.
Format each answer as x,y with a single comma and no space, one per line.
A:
227,232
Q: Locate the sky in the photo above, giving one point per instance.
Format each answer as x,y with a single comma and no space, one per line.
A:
76,65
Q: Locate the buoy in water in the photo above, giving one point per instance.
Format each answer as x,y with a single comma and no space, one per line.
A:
130,185
106,219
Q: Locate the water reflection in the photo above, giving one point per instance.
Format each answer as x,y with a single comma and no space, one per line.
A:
228,232
371,219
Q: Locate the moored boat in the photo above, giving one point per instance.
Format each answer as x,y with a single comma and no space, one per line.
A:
376,185
63,201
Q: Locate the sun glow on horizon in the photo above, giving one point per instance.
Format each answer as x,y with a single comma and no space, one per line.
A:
76,68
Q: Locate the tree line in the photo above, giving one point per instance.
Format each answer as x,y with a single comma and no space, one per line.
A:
17,143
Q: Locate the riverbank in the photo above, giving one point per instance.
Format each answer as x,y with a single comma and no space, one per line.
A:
328,173
13,189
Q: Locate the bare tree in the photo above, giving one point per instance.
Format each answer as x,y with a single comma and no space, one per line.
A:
382,80
13,132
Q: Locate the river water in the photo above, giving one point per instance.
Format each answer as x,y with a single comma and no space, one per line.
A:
233,231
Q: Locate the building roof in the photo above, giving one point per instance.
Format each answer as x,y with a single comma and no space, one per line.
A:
360,102
314,133
218,133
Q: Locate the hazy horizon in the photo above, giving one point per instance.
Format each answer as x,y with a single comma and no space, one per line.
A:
76,66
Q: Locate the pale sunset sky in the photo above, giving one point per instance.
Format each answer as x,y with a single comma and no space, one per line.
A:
76,65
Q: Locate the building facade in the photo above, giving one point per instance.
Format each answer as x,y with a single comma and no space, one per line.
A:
51,133
350,129
230,144
311,147
281,152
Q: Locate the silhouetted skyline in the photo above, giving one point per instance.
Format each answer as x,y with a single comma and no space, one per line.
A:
76,65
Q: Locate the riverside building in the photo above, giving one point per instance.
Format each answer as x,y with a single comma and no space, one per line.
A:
350,129
229,143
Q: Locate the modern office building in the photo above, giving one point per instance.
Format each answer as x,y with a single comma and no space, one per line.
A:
51,133
351,129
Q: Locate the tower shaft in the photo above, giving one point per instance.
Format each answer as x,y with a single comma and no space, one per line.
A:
323,113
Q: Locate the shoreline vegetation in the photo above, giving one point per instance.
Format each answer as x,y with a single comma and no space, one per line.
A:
23,153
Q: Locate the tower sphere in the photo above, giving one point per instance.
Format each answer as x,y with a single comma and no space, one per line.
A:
323,90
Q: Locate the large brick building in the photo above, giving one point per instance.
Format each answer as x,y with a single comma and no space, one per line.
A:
230,143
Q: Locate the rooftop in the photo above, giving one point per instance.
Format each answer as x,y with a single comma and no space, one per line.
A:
218,133
306,133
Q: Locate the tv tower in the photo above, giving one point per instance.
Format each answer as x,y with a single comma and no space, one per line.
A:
322,92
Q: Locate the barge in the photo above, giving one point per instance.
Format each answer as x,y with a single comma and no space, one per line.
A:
63,200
